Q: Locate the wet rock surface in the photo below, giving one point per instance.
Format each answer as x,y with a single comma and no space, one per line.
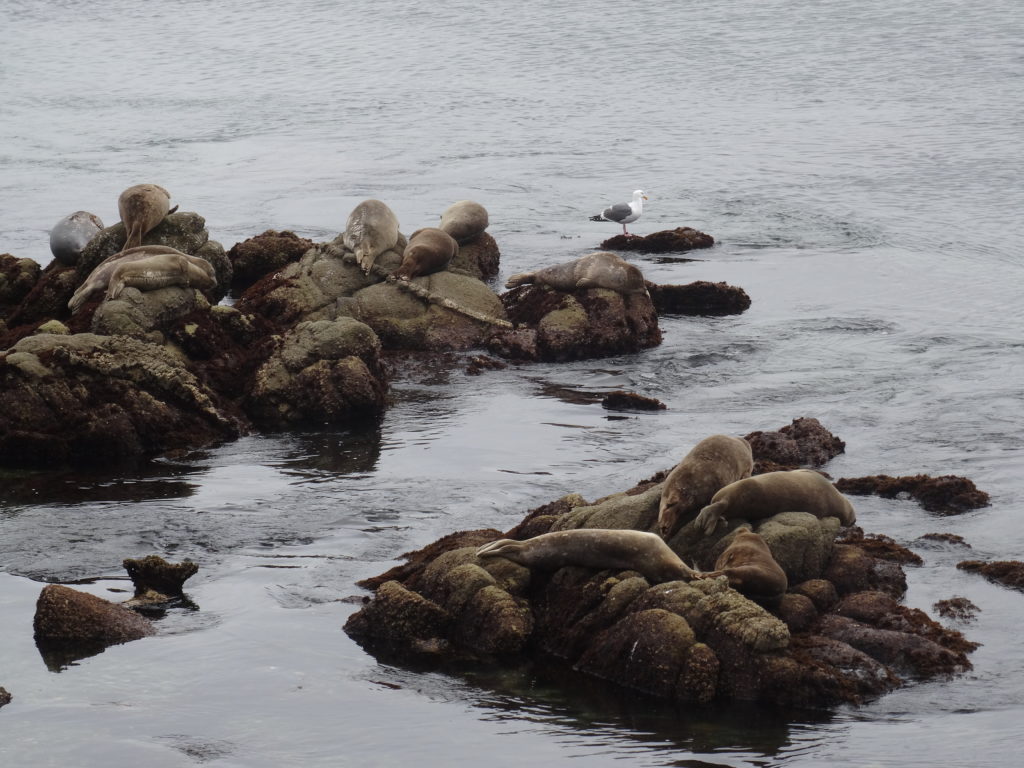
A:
701,298
1009,573
620,400
947,494
957,608
676,240
803,443
5,697
264,254
839,635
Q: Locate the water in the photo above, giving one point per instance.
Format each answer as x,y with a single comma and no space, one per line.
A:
861,169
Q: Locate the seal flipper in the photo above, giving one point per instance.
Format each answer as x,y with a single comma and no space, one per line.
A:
710,517
521,279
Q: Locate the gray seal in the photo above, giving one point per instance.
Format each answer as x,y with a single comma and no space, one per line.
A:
71,234
465,221
601,548
761,496
429,250
147,268
601,269
710,465
371,229
748,564
142,207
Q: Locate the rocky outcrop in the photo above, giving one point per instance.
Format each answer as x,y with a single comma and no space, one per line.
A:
700,299
1009,573
948,494
803,443
676,240
86,399
324,371
69,624
838,636
263,255
559,326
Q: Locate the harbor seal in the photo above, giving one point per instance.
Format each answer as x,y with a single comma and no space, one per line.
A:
71,234
748,564
710,465
113,274
602,269
599,548
429,250
372,228
465,220
142,207
761,496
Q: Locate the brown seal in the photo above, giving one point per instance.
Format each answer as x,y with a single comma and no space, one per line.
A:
465,220
142,207
160,267
710,465
602,269
429,250
748,564
761,496
600,548
372,228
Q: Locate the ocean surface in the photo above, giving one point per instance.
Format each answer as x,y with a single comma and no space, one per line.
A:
860,166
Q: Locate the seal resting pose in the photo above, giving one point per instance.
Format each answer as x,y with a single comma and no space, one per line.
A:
710,465
142,207
599,548
429,250
372,228
748,564
146,267
464,220
602,269
761,496
71,234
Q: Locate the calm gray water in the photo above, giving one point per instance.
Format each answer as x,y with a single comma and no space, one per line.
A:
861,167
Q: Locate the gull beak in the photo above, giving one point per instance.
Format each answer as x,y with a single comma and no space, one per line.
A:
644,197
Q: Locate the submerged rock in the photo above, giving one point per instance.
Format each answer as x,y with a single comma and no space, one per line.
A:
701,298
1009,573
154,574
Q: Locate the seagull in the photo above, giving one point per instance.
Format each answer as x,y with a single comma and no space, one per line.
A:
623,213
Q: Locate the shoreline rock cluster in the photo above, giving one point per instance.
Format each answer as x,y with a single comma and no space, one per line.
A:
838,634
153,370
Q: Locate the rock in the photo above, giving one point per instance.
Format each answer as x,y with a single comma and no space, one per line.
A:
264,254
957,608
797,611
851,569
70,622
404,320
701,298
821,592
153,573
321,372
1009,573
17,278
5,697
589,323
479,258
880,546
941,539
88,400
400,620
480,363
947,494
146,314
630,401
47,299
804,443
676,240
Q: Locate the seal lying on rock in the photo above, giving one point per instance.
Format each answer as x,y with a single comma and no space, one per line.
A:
748,564
147,268
464,220
761,496
71,234
142,207
602,269
710,465
429,250
601,548
372,228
